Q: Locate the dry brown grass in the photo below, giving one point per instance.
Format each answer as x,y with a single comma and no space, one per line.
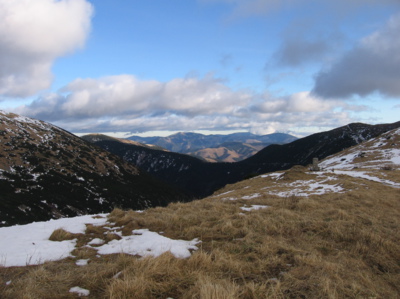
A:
329,246
61,235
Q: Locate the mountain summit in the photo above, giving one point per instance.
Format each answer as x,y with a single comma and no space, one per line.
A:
216,148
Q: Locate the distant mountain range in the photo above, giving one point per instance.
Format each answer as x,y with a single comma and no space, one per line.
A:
200,179
46,172
216,148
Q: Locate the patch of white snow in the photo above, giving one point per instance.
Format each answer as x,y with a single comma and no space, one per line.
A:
96,241
80,291
254,207
251,196
29,244
147,243
82,262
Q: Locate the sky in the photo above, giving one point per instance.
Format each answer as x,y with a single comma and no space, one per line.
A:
156,67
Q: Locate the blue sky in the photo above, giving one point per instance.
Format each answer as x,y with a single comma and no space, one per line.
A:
264,66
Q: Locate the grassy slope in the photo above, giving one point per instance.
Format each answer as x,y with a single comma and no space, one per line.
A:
340,244
335,245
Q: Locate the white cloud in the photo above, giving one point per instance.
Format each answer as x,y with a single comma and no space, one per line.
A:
33,33
298,102
127,95
125,103
372,66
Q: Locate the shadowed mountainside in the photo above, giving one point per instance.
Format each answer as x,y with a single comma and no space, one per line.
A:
200,178
46,172
216,148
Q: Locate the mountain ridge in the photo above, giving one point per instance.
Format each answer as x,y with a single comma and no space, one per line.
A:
201,179
198,145
47,172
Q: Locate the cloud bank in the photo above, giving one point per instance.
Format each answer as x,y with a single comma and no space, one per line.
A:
126,103
33,33
372,66
29,44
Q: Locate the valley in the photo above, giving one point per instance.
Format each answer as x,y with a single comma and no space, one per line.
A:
199,179
284,234
216,148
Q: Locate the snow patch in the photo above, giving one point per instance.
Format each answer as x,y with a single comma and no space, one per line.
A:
146,243
306,188
29,244
229,198
82,262
96,241
251,196
225,193
274,175
254,207
80,291
364,175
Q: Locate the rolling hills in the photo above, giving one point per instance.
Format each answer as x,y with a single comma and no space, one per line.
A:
199,178
294,233
228,152
216,148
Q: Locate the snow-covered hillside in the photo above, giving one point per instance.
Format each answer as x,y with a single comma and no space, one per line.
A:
376,160
377,153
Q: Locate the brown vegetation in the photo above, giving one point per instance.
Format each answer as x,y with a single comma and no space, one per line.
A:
333,247
328,246
61,235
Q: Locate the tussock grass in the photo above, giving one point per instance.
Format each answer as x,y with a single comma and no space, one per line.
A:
329,246
84,253
61,235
